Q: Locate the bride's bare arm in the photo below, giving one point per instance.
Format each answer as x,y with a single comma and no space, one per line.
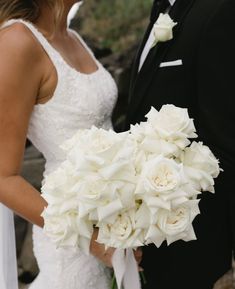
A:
22,72
20,78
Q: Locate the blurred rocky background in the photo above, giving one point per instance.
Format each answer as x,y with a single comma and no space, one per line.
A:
113,30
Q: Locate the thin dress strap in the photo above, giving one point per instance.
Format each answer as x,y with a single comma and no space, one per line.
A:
86,47
50,51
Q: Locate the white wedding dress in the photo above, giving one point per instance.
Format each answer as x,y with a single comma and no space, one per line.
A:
80,101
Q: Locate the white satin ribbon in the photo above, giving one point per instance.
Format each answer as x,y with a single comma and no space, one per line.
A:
126,269
8,264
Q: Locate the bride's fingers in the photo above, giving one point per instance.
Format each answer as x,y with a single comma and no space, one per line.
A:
138,255
108,254
140,269
99,251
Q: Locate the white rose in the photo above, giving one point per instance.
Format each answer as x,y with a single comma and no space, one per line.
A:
57,190
137,132
201,157
119,170
162,175
149,142
143,215
175,224
94,146
60,228
161,182
201,166
140,160
102,199
172,124
163,28
58,205
60,181
91,192
90,140
122,233
101,203
67,230
153,146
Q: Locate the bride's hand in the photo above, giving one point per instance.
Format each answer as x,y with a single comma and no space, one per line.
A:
105,256
98,250
138,253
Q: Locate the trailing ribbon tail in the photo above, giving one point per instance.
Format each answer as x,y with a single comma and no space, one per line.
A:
126,269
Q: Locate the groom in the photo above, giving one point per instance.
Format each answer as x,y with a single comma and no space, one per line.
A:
194,70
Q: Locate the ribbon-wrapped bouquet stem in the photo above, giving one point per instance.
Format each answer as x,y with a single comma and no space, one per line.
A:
137,187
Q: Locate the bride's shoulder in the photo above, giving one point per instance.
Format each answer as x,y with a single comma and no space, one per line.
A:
17,40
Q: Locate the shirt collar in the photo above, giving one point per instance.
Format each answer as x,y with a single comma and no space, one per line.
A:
172,2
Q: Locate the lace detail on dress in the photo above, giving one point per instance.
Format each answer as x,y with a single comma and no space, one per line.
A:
79,101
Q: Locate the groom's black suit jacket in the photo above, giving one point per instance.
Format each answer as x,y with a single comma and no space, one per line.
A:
204,39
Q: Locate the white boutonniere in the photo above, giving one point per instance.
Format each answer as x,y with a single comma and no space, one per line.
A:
163,29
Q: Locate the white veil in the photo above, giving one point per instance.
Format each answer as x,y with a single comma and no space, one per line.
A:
8,266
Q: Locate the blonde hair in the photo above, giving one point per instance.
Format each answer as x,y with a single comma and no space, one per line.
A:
28,10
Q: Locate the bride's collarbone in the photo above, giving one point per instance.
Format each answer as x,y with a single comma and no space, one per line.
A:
75,54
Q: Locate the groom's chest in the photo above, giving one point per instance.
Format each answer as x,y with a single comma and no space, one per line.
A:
174,67
179,56
172,74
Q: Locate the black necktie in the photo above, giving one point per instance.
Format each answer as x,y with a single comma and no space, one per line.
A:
159,6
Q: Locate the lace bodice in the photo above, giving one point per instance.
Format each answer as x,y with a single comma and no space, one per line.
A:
79,101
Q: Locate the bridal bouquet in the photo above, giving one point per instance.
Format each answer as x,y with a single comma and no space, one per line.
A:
137,187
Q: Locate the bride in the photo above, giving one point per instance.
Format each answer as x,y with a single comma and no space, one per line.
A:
50,86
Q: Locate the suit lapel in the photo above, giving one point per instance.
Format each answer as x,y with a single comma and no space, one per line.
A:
138,55
149,69
154,15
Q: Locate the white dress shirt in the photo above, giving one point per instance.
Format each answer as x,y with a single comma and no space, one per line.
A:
150,41
73,11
